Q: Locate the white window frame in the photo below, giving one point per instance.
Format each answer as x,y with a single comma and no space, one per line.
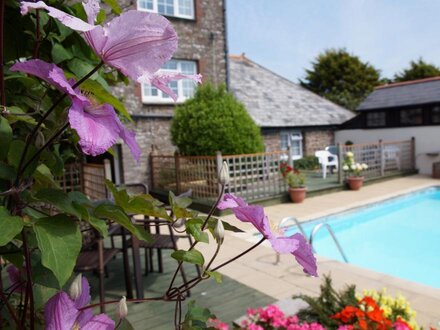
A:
293,136
175,6
160,99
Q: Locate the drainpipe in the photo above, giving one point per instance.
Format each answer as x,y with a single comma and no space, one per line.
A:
226,46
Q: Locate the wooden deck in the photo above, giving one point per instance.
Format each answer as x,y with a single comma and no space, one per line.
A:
227,300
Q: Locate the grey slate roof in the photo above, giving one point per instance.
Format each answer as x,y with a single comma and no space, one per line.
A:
414,92
274,101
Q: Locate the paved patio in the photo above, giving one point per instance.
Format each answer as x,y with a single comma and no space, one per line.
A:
259,271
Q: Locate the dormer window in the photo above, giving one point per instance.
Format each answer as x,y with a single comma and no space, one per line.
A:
175,8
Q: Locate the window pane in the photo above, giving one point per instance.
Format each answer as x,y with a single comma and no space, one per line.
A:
170,65
411,117
187,67
376,119
186,8
165,7
150,90
146,4
296,148
284,141
436,115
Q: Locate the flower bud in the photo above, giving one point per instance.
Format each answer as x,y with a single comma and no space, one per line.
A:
76,287
219,232
224,174
122,308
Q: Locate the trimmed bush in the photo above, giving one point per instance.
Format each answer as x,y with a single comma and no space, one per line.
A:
306,163
213,120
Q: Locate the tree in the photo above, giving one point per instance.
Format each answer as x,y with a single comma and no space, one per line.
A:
418,70
214,121
341,78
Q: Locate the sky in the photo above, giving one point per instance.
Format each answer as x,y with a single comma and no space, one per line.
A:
287,35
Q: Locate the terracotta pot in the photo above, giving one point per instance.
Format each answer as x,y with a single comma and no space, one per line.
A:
297,195
355,182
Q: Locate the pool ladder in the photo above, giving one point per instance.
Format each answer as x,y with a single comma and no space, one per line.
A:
312,234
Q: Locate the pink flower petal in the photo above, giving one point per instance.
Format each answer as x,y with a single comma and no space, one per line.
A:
134,49
91,8
49,73
230,201
98,127
68,20
129,138
304,255
284,244
99,322
60,312
84,298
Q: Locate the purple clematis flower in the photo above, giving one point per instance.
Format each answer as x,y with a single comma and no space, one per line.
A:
295,244
97,125
136,43
63,313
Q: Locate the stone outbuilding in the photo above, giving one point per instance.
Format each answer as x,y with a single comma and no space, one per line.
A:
285,110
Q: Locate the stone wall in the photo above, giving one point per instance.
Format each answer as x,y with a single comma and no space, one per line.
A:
272,141
312,140
317,140
151,134
202,40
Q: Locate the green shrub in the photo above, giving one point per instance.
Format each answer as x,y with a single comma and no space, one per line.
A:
213,120
306,163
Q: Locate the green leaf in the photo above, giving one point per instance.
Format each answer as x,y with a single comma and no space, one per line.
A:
115,213
215,275
81,68
59,240
10,226
14,155
99,225
192,256
17,114
100,18
44,178
213,221
194,228
113,4
5,137
59,199
7,172
196,317
104,96
45,283
140,204
60,54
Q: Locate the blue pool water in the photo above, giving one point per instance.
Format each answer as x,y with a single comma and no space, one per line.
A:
399,237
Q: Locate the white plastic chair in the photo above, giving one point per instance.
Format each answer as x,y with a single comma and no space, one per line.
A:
326,159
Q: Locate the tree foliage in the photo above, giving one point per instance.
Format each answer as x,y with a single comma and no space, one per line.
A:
341,78
418,70
214,121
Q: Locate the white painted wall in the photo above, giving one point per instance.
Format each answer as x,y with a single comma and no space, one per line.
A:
427,141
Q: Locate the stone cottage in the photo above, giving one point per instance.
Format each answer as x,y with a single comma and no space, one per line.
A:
285,110
201,28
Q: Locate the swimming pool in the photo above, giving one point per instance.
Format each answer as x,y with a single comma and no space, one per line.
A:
399,237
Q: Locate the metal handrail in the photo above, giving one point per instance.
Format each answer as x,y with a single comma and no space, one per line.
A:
317,228
282,222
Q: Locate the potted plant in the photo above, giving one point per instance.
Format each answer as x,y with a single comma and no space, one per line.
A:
296,182
354,179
